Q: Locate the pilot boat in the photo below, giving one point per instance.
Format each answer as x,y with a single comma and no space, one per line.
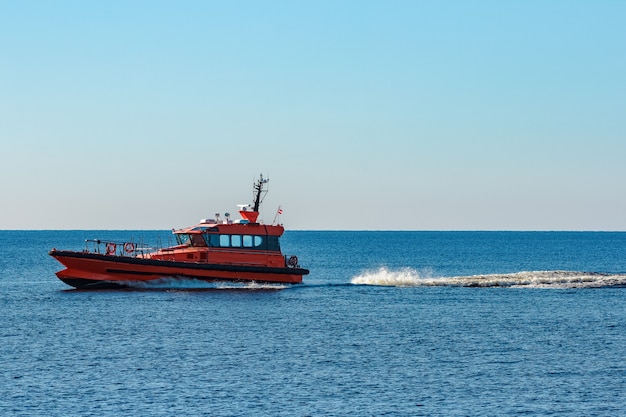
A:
214,250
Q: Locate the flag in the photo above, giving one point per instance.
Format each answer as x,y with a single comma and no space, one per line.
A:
280,211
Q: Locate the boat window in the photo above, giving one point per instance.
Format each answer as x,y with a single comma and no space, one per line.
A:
237,241
272,243
212,240
196,240
182,238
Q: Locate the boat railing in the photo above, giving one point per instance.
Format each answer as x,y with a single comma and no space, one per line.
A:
117,248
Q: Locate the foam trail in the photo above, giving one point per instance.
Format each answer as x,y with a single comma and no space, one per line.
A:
195,284
408,277
405,277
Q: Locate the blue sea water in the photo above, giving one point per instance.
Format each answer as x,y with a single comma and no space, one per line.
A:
387,323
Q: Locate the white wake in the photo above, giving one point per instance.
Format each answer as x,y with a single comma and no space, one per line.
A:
408,277
195,284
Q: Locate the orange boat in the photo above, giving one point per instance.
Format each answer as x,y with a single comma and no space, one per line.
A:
214,250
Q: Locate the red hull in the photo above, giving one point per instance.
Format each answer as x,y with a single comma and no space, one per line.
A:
92,270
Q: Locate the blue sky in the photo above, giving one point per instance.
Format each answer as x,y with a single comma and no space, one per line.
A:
447,115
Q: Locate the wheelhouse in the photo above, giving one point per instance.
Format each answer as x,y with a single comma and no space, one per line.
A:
231,236
229,240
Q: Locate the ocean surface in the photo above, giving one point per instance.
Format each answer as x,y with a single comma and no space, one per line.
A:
386,324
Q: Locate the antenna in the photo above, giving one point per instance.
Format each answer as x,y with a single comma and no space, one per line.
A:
259,192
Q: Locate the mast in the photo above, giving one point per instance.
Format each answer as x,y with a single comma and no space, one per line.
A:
258,189
259,192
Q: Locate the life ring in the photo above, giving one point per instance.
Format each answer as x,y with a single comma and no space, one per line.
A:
129,247
293,261
111,247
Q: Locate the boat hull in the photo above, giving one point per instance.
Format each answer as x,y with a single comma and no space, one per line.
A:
93,270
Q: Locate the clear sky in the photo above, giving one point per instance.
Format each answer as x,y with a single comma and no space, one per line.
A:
434,115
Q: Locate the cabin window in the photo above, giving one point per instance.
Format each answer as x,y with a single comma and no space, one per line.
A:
182,238
272,243
197,240
237,241
212,239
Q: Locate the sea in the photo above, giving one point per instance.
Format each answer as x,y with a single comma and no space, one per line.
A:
398,323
